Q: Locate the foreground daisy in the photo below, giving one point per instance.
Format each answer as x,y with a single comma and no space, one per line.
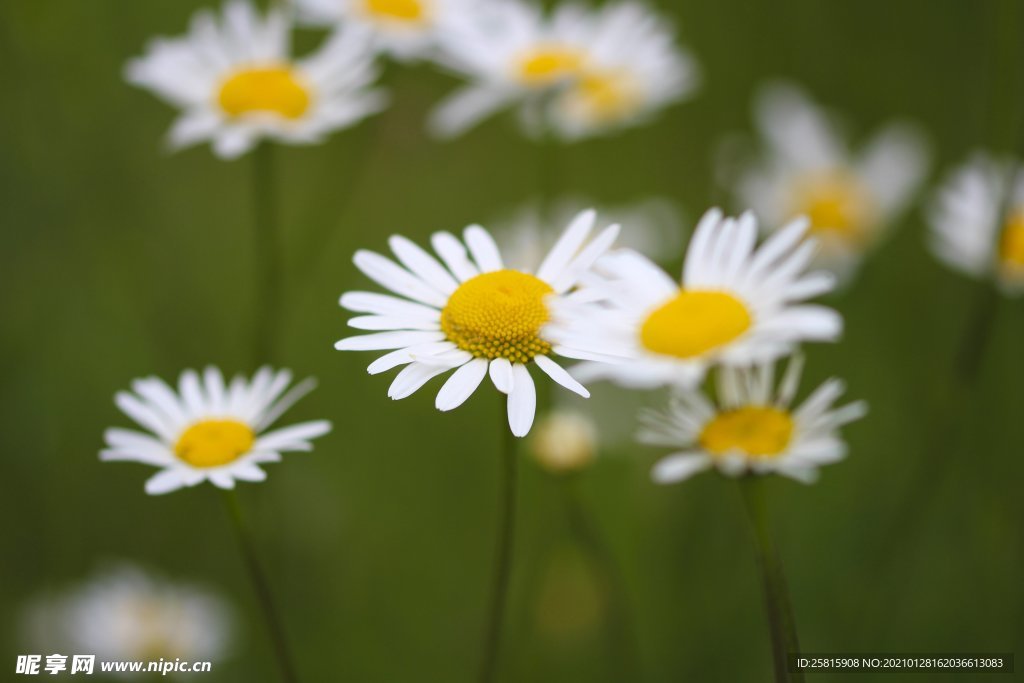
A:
235,82
209,430
575,73
126,614
405,28
977,221
471,314
807,169
738,304
751,427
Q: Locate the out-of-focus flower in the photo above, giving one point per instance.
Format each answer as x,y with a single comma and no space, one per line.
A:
564,441
750,427
235,82
471,314
125,614
977,221
406,29
738,304
807,169
526,234
575,73
209,430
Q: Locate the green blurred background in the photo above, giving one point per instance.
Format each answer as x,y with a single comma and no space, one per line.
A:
121,260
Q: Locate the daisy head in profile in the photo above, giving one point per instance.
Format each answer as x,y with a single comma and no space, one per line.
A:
235,82
806,168
750,427
977,221
209,430
738,304
126,613
405,29
633,68
573,73
470,313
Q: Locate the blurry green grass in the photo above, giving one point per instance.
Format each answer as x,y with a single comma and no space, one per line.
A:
120,260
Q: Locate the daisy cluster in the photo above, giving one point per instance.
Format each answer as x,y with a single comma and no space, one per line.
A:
573,73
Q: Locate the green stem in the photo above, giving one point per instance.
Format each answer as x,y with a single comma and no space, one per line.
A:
781,624
547,178
503,556
262,587
590,538
268,248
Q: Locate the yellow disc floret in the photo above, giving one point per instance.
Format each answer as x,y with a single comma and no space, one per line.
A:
546,65
268,90
1011,243
836,204
754,431
396,10
498,315
606,96
212,443
694,322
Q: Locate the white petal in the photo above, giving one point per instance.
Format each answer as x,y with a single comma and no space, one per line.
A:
522,401
387,340
678,467
389,274
560,375
416,259
501,374
165,481
567,246
411,378
453,253
461,384
484,250
280,439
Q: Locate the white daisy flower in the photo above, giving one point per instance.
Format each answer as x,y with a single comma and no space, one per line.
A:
632,69
751,427
406,29
977,221
236,83
516,55
210,430
125,614
470,313
807,169
738,304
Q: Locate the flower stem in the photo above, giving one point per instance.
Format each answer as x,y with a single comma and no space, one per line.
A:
503,555
268,248
781,624
262,588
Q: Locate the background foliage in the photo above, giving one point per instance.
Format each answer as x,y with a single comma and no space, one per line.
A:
120,260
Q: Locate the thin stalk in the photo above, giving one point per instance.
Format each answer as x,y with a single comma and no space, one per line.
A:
547,178
275,626
503,555
781,625
268,248
588,535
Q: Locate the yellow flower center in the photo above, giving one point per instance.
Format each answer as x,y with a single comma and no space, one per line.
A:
755,431
607,96
1011,243
498,315
273,90
836,203
396,10
545,65
212,443
694,322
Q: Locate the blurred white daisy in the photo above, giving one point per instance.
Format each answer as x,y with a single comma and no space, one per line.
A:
977,221
738,304
526,233
807,169
574,73
750,427
471,314
564,441
406,29
632,69
210,430
235,82
125,614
